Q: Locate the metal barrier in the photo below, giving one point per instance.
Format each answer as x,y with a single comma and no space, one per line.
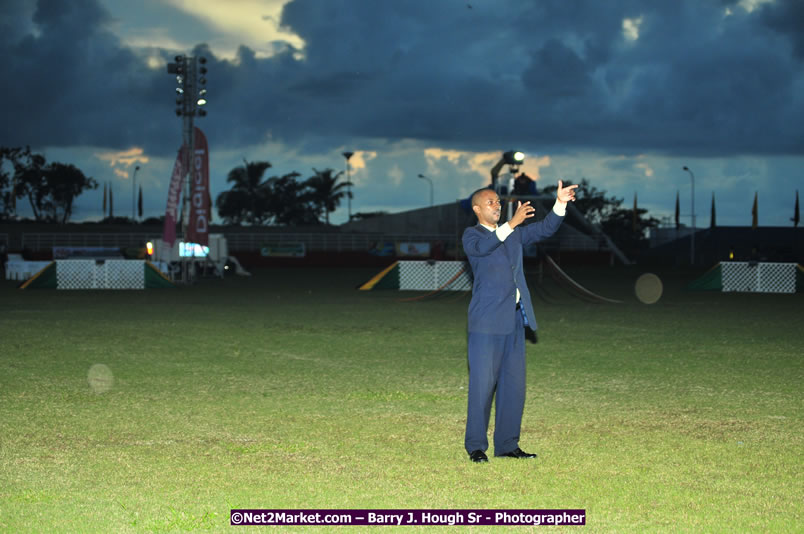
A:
334,242
42,241
363,242
254,241
236,241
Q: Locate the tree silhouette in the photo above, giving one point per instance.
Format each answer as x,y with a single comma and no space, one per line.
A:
7,189
245,202
276,200
51,189
326,193
619,226
288,201
64,182
28,177
593,203
607,212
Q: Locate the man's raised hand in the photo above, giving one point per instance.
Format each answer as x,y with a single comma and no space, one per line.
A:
565,194
523,211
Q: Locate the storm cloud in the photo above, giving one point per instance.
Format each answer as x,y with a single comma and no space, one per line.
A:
707,78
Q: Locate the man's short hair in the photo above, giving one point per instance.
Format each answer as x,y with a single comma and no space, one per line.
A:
476,195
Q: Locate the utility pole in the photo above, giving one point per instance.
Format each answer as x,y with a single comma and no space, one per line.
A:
348,155
423,177
134,194
692,200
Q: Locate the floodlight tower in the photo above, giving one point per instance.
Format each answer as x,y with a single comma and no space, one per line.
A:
191,97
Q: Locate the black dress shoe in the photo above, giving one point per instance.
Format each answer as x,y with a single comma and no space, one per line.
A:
518,453
478,456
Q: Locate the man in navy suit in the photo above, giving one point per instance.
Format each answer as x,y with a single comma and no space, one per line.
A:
499,311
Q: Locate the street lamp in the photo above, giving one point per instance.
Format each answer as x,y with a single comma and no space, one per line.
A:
348,155
423,177
692,200
134,193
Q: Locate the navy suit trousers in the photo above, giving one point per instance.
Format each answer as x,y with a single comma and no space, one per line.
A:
496,363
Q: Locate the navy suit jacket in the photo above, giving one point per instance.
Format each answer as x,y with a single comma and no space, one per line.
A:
498,273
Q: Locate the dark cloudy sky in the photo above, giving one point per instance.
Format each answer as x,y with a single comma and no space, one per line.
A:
623,92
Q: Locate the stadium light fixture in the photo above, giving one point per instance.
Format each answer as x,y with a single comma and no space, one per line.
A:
514,157
191,92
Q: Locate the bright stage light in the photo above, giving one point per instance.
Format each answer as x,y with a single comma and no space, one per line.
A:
514,157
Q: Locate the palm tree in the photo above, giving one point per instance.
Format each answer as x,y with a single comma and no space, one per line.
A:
325,191
244,202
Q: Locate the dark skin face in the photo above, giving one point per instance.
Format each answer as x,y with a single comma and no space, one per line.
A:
487,207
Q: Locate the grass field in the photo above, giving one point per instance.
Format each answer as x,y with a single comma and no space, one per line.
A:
293,390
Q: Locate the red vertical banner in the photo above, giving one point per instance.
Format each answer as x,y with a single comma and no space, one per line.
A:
198,231
174,195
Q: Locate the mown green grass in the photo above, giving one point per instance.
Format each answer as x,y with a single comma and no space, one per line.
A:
293,390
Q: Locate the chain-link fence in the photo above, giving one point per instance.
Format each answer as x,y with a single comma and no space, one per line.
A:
758,277
435,275
108,274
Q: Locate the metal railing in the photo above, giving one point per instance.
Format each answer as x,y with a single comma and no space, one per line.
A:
235,241
46,241
334,242
327,242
